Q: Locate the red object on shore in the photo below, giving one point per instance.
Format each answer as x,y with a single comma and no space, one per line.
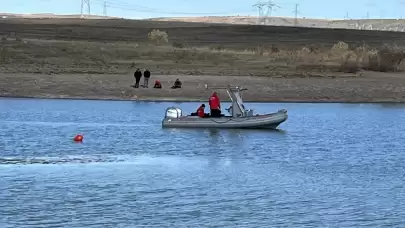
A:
78,138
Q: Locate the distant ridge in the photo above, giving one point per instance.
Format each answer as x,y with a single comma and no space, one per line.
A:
397,25
51,15
361,24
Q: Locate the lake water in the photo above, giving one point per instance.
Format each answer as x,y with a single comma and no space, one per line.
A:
331,165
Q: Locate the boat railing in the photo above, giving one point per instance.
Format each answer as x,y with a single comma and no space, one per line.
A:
234,93
173,112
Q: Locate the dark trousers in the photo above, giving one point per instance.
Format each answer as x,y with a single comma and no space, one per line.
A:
215,113
137,80
145,82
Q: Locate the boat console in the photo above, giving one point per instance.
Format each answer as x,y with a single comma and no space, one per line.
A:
237,108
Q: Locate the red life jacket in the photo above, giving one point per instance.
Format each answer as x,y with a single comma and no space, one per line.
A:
214,102
200,111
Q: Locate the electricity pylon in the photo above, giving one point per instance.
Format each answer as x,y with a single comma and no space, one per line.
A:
265,9
85,3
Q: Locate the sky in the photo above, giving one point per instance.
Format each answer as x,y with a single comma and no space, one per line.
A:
134,9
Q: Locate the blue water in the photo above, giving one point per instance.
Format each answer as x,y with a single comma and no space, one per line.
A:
330,165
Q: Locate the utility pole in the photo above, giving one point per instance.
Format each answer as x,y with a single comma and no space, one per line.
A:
402,3
370,5
85,3
265,9
296,12
105,8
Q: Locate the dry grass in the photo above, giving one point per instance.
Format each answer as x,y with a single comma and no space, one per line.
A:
388,58
158,36
39,56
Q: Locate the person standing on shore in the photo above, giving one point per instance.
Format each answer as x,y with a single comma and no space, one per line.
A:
146,76
138,76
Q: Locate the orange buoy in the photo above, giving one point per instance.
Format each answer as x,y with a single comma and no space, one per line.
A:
78,138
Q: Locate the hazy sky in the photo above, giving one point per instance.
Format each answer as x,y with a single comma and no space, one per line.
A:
164,8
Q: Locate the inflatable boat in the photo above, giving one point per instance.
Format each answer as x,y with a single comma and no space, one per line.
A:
239,117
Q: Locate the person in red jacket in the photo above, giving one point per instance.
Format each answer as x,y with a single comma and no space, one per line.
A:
215,105
200,111
157,85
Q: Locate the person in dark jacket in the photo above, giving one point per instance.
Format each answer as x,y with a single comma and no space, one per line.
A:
138,76
177,84
146,76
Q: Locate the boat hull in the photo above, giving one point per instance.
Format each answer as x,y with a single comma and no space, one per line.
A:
267,121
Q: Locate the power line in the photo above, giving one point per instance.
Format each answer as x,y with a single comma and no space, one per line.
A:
105,8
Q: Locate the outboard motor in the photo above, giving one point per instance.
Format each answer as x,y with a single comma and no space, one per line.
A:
173,112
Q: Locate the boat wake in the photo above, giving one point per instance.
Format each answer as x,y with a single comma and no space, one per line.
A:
59,160
103,159
82,124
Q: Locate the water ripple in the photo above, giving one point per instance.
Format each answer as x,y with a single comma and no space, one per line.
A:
331,165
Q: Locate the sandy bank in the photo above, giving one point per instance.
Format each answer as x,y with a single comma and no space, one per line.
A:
367,88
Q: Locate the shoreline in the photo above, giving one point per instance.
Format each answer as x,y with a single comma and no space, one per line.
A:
186,100
369,88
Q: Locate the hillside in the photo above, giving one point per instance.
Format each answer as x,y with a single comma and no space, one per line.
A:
50,15
369,24
71,57
364,24
192,47
191,34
